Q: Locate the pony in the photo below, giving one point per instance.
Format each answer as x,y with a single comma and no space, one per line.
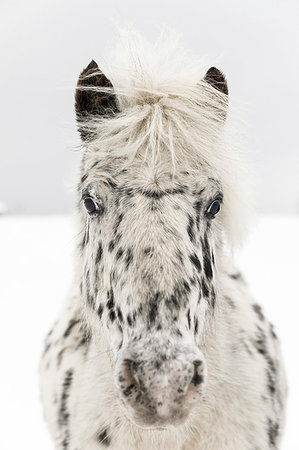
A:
160,345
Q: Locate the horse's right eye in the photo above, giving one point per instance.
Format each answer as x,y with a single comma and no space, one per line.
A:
93,206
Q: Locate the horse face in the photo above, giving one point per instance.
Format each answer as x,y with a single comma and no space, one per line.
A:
149,265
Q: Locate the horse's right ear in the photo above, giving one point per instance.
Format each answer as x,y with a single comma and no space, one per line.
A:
94,97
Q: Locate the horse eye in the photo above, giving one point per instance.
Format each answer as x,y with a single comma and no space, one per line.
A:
213,209
92,206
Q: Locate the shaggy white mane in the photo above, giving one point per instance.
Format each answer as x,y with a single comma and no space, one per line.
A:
169,113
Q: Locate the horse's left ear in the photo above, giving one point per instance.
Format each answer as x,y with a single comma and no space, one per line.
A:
94,97
217,80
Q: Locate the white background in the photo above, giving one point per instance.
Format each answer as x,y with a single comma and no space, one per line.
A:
44,44
36,270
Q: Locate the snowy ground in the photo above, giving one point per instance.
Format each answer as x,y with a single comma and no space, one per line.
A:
36,270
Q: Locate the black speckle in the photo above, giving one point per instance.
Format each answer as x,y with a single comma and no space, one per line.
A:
258,310
271,382
89,297
47,348
100,311
194,259
60,356
114,242
212,298
191,228
153,307
63,413
84,341
118,222
99,253
84,178
260,342
261,345
205,245
111,183
207,266
198,208
85,238
186,286
111,245
119,253
110,302
236,276
129,257
230,302
273,432
129,320
71,325
213,258
119,314
205,290
196,326
112,315
157,364
273,334
103,438
178,333
172,301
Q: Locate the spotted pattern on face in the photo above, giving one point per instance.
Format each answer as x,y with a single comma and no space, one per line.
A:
158,250
150,267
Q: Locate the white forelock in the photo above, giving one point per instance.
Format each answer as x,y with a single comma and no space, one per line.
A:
169,113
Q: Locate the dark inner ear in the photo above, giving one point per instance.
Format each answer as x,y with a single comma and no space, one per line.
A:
217,80
93,102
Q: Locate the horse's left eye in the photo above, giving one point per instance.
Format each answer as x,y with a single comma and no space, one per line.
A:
214,208
93,206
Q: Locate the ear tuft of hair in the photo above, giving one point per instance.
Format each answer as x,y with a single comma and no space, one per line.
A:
94,97
217,80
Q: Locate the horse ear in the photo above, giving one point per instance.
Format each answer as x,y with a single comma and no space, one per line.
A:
217,80
94,97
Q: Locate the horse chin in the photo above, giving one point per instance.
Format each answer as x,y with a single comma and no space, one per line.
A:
149,427
141,423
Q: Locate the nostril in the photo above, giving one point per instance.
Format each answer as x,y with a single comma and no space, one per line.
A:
197,378
127,377
196,383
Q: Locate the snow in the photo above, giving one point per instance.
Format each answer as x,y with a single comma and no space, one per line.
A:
36,272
